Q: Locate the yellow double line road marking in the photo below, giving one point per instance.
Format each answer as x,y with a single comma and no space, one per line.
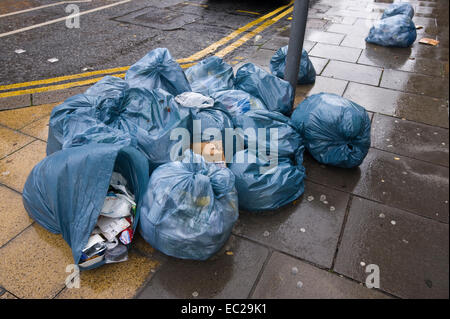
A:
187,61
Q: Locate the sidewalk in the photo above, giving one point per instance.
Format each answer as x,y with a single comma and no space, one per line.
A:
392,211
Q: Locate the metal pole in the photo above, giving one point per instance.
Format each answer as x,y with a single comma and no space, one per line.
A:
296,38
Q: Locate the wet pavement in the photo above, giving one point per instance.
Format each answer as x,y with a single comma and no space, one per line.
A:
391,212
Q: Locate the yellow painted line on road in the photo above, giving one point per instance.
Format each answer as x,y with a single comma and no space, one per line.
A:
196,4
213,47
251,34
249,12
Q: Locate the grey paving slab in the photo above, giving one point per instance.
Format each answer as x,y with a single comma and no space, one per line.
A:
275,43
349,29
262,58
424,142
307,228
315,23
413,107
415,83
395,180
279,280
14,102
319,64
322,84
222,276
353,13
354,41
334,52
342,20
353,72
56,96
410,251
323,37
396,59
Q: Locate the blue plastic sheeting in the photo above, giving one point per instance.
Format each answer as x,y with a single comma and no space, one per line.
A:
237,102
189,208
210,75
395,31
261,190
398,8
285,139
64,193
336,131
275,93
158,70
111,112
306,74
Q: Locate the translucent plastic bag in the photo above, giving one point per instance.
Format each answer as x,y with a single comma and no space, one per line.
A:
237,102
398,8
395,31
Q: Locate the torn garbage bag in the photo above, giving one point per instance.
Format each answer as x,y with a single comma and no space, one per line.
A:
395,31
267,183
236,102
336,131
189,208
210,75
398,8
66,191
158,70
306,74
275,93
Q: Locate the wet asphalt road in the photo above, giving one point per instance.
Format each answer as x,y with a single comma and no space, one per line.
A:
116,36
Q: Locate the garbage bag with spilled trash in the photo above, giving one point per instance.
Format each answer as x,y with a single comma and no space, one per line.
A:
158,70
237,102
268,170
210,75
306,74
189,208
398,8
91,195
336,131
394,31
276,94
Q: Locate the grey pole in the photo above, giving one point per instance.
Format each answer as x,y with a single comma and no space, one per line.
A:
296,38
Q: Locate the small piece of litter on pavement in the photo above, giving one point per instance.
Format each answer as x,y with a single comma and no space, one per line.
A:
418,27
390,145
443,143
53,60
382,215
229,253
362,263
6,173
322,198
195,294
266,234
325,202
302,230
258,38
294,270
299,284
86,69
332,208
20,51
382,180
429,41
405,241
405,173
310,198
393,222
397,158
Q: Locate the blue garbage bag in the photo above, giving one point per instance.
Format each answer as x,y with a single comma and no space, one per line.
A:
276,128
336,131
395,31
210,118
398,8
158,70
210,75
275,93
262,187
236,102
65,192
111,112
189,208
306,74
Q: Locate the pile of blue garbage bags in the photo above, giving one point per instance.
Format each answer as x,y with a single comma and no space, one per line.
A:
142,145
396,28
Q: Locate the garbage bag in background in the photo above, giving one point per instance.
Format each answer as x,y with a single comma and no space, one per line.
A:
398,8
395,31
237,102
210,75
65,192
275,93
306,74
284,135
336,131
159,70
270,189
189,208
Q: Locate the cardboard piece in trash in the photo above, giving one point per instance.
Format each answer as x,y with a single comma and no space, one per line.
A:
429,41
111,227
212,151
